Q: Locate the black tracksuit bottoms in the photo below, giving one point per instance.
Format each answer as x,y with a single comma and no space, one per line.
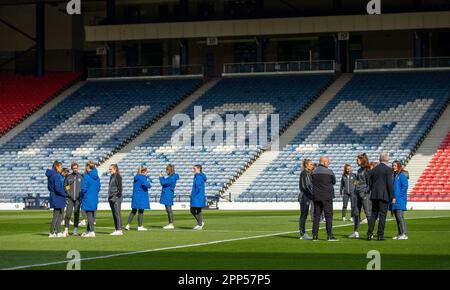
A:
327,207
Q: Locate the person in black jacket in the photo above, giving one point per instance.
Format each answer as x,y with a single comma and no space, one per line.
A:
323,181
361,198
72,184
381,194
347,190
115,198
305,196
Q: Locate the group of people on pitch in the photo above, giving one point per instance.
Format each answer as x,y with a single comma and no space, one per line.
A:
78,191
375,188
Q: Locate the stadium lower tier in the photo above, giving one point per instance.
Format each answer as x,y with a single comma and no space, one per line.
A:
90,124
389,112
286,96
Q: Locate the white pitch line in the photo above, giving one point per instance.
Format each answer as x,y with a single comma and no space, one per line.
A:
185,246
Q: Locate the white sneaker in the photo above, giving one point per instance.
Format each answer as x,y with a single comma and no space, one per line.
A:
364,221
66,232
127,227
403,237
82,223
344,219
354,235
351,219
75,232
199,228
88,235
51,236
60,235
142,229
305,237
71,223
116,233
169,227
396,237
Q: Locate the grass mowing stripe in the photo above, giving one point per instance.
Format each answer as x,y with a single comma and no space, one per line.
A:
190,245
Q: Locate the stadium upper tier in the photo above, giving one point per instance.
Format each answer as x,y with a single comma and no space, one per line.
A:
374,112
434,183
22,95
89,124
283,95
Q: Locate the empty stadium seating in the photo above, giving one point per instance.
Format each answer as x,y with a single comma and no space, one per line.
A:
434,183
285,95
22,95
372,113
91,123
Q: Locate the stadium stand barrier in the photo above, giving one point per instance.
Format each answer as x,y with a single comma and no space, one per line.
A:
145,72
402,64
270,68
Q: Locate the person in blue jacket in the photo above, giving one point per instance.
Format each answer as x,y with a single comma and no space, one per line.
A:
398,206
198,197
90,187
140,198
55,185
168,192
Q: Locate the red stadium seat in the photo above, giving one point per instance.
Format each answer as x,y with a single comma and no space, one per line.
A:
434,183
21,95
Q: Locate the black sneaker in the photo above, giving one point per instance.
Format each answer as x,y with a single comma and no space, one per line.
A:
380,238
315,238
332,239
369,237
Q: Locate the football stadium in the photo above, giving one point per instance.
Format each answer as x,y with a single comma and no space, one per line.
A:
225,135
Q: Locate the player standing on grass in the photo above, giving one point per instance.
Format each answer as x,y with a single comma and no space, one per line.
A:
400,179
140,198
115,198
90,187
55,185
198,196
361,198
72,183
347,190
167,192
305,196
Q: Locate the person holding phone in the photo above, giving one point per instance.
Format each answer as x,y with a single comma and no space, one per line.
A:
168,192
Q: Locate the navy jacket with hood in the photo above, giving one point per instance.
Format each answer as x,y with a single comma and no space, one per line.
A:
55,185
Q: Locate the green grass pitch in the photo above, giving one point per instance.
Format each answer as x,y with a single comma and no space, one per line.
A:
230,240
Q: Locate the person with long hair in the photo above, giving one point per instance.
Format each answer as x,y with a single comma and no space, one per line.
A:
305,196
198,196
140,198
361,198
168,192
55,185
90,187
372,164
115,198
347,190
400,185
72,184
